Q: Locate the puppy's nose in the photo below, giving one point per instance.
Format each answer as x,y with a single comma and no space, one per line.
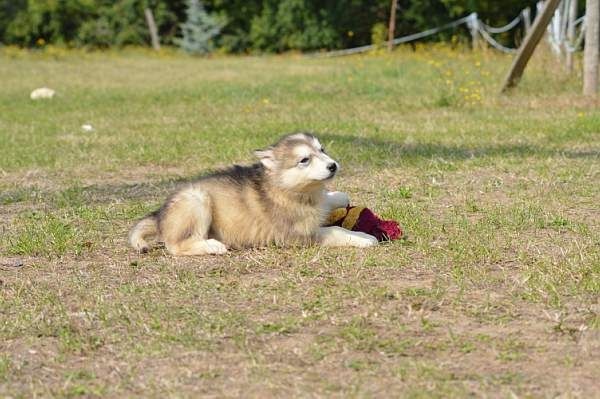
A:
332,167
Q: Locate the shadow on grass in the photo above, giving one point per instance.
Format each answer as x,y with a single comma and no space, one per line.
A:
368,151
419,151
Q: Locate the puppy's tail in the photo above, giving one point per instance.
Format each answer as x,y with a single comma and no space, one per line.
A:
148,226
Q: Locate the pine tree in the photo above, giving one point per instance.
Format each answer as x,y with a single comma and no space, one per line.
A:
198,30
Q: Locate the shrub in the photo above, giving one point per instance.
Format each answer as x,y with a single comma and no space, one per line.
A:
379,35
292,25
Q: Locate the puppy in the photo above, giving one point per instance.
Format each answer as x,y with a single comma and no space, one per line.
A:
280,200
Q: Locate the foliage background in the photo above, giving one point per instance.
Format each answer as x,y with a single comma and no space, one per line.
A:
251,25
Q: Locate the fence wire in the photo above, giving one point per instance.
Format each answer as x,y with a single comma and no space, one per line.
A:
476,26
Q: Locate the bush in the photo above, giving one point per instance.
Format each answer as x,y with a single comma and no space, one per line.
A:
92,23
96,33
379,35
263,25
292,25
53,21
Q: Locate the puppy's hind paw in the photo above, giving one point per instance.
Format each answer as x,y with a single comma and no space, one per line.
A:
141,248
215,247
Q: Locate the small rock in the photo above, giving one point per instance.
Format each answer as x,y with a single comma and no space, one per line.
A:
87,127
42,92
11,262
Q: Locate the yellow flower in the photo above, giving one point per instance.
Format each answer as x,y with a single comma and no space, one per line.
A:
40,41
350,33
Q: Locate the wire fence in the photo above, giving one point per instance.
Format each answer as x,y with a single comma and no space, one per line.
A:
556,32
504,28
399,40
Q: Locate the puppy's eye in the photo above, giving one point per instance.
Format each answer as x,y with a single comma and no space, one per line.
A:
304,161
323,150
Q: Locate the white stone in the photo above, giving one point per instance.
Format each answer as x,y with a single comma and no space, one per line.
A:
42,92
87,127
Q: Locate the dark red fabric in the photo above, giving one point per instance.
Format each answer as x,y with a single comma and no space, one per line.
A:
368,222
384,230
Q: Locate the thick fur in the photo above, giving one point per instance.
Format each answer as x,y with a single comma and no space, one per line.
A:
279,200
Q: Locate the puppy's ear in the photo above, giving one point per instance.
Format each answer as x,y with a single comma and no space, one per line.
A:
266,157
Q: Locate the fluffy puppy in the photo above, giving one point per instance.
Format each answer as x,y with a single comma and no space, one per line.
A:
279,200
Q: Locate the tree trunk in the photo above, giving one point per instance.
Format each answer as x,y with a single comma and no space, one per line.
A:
152,28
590,52
392,27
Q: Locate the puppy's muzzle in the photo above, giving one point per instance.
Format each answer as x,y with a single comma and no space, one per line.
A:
332,168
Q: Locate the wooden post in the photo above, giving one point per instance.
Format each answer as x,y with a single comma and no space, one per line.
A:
472,24
572,15
152,28
531,41
539,8
590,51
392,25
527,19
563,22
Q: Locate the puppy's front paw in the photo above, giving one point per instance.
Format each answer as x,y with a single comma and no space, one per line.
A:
338,199
363,240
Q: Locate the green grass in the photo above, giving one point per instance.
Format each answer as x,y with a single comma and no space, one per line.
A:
494,293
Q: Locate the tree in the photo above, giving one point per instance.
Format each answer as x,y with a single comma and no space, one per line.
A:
199,29
264,25
590,52
392,26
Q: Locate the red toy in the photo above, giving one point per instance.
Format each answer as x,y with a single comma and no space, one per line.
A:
357,218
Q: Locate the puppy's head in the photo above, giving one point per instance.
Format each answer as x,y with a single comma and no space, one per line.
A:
298,162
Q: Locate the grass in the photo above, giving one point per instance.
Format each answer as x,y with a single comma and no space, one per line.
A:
495,292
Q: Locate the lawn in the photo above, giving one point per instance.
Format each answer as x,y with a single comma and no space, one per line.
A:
495,293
